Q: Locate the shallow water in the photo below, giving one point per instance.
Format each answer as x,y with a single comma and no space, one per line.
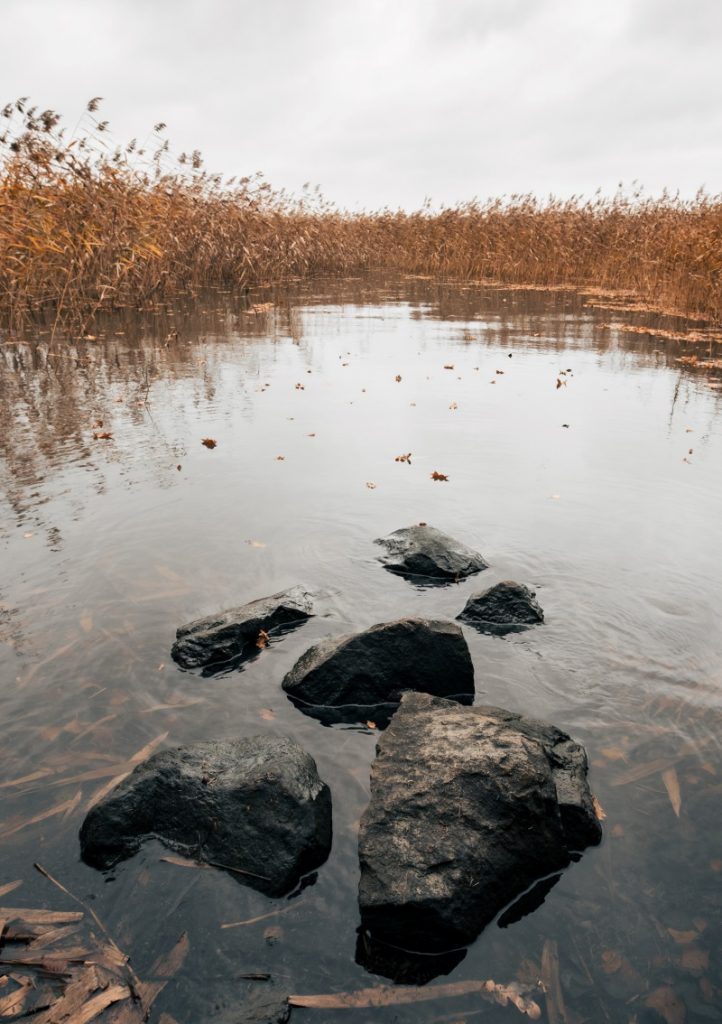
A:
108,545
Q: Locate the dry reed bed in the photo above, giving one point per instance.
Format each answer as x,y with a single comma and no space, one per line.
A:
87,227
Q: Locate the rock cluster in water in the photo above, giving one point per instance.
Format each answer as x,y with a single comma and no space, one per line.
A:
503,608
380,664
426,552
254,806
233,635
469,807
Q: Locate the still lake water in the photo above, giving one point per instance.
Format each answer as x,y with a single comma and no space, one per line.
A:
107,545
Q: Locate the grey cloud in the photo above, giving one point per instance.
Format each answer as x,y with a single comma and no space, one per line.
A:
386,102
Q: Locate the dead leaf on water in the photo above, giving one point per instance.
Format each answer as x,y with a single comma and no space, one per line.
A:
371,486
262,640
209,442
439,476
667,1003
397,378
683,938
403,458
671,784
267,714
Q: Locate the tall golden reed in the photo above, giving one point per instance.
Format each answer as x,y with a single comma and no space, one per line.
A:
87,227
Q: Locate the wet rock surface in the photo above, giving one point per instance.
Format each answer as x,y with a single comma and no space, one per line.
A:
425,552
376,666
504,608
469,807
232,636
254,806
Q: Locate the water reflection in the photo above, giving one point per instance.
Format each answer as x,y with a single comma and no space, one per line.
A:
107,546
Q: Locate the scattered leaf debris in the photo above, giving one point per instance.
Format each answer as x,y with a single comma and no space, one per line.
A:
439,476
404,458
209,442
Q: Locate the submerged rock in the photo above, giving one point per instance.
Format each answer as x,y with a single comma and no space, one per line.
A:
375,667
503,608
232,635
469,807
426,552
254,806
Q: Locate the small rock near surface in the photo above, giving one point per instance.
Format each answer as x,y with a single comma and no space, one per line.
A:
378,665
255,806
427,552
468,808
233,635
502,608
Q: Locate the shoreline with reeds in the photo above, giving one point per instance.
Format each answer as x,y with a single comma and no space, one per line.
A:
87,228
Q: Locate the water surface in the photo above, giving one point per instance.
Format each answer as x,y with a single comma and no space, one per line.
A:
603,493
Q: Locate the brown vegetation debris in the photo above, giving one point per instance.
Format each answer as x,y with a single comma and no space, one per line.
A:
209,442
513,994
403,458
439,476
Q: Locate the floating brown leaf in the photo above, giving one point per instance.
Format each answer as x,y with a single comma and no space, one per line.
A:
397,378
668,1004
671,784
103,435
403,458
209,442
262,640
371,486
439,476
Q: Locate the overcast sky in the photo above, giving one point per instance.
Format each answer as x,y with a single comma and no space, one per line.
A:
385,102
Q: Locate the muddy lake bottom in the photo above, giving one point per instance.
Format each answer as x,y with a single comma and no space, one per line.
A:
581,460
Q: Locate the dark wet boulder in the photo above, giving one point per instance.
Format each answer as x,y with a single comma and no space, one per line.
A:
504,608
254,806
232,635
426,552
376,666
469,807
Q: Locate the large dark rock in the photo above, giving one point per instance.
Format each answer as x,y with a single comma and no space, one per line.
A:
426,552
504,608
375,667
253,806
232,635
469,807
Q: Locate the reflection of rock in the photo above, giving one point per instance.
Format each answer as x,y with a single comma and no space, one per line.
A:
503,608
469,807
402,966
376,715
375,667
232,635
426,552
255,806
